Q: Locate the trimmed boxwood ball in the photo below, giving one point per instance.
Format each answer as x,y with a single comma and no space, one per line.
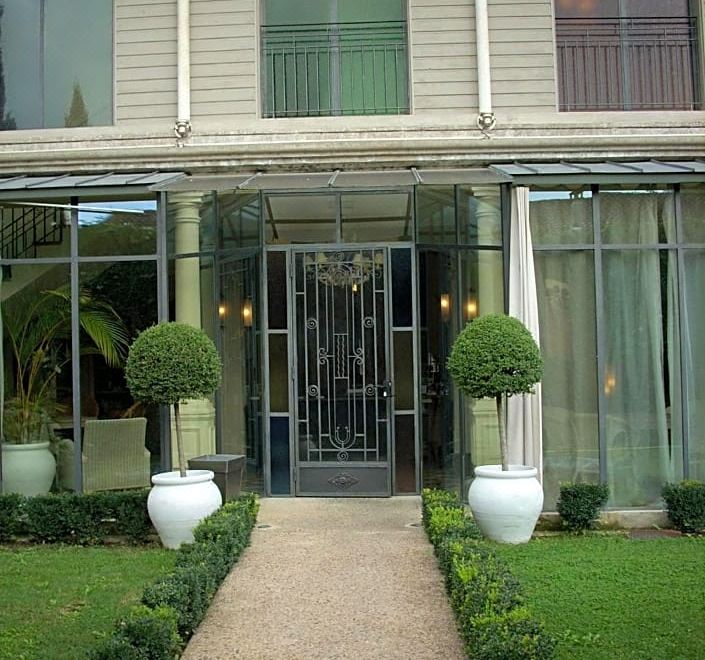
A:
495,356
169,363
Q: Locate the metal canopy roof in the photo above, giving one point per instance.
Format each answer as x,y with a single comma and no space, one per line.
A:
334,179
70,182
608,167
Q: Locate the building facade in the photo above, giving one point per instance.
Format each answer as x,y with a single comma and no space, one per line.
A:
332,193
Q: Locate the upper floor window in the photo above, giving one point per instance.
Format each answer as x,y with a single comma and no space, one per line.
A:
56,63
334,57
628,54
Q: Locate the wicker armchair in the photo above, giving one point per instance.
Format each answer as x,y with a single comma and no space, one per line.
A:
114,456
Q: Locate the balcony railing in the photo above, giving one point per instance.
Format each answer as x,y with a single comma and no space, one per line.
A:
628,64
335,69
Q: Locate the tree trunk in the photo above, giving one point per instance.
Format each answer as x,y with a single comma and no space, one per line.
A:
503,448
179,441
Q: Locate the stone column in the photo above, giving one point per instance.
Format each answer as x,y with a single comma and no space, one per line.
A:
197,415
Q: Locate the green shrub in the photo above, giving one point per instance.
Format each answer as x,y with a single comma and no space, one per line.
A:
685,503
484,594
11,509
510,635
84,518
145,634
434,497
444,523
495,355
579,504
200,567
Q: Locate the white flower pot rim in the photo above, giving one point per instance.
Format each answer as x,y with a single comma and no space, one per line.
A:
174,478
11,446
514,472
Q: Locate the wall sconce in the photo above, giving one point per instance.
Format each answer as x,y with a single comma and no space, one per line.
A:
610,383
445,306
222,311
471,308
247,313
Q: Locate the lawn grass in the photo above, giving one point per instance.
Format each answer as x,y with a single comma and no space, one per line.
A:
612,597
57,601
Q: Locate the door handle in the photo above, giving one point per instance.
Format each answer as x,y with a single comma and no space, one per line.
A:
386,389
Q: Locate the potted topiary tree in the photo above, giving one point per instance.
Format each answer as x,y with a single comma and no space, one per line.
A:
495,356
167,364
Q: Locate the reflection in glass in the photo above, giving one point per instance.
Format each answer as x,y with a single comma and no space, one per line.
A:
693,209
561,217
117,226
47,83
300,218
376,217
479,215
440,423
644,215
124,452
240,399
239,219
435,214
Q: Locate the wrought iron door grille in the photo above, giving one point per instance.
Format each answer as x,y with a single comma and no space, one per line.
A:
341,326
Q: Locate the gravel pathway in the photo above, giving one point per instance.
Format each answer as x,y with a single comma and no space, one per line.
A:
334,579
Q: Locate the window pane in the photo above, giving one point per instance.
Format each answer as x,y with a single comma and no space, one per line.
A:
643,215
402,302
561,217
124,452
641,383
240,392
190,222
50,85
693,208
36,229
565,284
479,215
300,218
239,219
404,454
440,431
38,383
376,217
21,51
435,214
78,79
694,359
117,226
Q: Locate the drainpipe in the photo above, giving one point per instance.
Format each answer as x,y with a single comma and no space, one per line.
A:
182,127
485,119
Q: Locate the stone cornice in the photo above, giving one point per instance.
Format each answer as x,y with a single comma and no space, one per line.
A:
354,146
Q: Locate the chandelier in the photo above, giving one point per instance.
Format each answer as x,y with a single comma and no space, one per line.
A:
337,269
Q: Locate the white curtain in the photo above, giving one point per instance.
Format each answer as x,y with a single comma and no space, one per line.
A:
523,412
642,385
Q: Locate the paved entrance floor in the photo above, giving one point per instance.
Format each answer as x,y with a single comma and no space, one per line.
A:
332,579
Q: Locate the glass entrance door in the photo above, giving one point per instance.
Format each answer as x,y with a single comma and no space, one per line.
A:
342,375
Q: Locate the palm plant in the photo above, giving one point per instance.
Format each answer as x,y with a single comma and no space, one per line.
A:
37,334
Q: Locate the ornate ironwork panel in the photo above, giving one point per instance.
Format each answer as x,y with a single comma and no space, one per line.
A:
343,408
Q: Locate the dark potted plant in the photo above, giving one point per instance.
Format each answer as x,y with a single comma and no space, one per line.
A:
168,364
495,356
36,335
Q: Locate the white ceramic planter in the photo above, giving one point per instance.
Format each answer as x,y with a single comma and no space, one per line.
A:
506,505
27,469
177,504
